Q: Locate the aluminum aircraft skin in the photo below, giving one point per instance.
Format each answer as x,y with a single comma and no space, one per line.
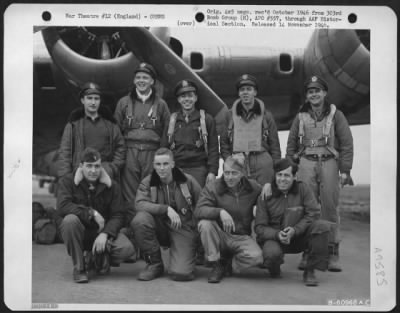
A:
71,56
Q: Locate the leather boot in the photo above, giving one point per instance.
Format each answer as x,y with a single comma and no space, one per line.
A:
334,264
217,272
154,267
227,264
303,262
275,270
309,277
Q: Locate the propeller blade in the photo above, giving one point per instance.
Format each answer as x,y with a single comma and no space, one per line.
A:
105,52
171,69
113,75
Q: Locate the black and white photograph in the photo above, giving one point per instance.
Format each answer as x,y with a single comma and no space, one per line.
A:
221,158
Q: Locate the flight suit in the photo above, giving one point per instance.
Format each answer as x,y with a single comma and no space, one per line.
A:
143,130
323,147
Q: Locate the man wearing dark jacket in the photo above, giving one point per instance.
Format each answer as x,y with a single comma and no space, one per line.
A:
287,222
92,126
192,136
164,202
91,207
225,211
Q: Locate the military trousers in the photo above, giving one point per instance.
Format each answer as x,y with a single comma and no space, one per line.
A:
151,232
314,241
244,250
78,238
139,164
324,181
260,167
199,173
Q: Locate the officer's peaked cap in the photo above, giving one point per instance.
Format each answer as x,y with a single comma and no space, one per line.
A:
185,86
89,89
146,68
246,80
315,82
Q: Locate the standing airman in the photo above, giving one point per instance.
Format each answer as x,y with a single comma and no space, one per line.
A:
321,141
143,118
252,131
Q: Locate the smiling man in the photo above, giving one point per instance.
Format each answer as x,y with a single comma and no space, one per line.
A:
90,203
252,131
225,211
165,202
92,125
143,117
320,140
287,222
192,136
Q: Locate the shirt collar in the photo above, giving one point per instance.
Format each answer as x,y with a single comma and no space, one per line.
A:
92,119
144,97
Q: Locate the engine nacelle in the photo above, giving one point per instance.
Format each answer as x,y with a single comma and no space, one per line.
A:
340,58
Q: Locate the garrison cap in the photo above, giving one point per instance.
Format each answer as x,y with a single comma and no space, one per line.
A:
185,86
283,164
89,89
146,68
90,155
315,82
246,80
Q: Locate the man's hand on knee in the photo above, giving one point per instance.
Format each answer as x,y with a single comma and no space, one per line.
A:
227,221
175,218
99,245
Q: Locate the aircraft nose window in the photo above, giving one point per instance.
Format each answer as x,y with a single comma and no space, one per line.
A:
285,62
196,60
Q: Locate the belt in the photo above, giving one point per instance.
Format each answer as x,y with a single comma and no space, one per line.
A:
316,157
250,152
142,146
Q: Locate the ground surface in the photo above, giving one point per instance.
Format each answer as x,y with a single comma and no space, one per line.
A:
52,274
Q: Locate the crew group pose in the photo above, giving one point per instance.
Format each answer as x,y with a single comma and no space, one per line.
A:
170,196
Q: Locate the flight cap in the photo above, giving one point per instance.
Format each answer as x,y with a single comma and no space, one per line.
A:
146,68
315,82
89,89
185,86
246,80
